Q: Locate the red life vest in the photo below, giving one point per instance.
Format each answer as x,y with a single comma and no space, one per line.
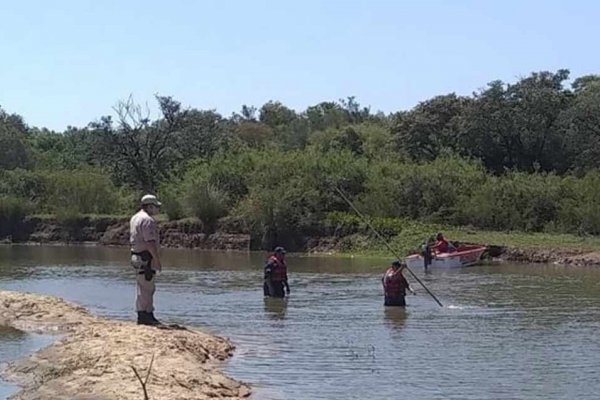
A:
394,283
279,271
442,246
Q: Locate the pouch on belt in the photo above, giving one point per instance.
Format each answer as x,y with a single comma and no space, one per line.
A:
141,261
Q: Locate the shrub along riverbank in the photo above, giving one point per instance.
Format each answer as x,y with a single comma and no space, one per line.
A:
289,198
511,157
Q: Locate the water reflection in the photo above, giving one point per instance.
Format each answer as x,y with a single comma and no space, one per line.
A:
275,308
395,317
15,344
506,331
10,333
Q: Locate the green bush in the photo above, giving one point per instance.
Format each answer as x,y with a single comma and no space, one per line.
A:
281,198
172,203
13,208
581,212
25,184
206,202
87,191
12,211
432,191
84,191
70,217
401,234
230,172
516,201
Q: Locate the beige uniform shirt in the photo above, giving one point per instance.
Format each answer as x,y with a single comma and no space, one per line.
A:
142,228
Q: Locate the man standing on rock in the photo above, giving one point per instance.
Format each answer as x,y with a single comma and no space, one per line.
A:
144,240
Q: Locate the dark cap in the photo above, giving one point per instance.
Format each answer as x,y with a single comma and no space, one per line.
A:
396,263
279,249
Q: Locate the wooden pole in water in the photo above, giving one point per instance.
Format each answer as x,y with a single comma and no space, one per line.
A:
366,221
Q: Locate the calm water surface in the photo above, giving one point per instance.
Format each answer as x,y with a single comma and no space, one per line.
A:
506,331
15,344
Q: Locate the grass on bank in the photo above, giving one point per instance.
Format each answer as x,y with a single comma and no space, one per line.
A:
405,236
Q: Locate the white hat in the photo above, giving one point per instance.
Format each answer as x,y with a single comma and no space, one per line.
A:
150,199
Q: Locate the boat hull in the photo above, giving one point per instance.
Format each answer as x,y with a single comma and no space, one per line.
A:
464,257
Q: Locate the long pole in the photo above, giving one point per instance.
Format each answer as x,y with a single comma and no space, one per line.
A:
366,221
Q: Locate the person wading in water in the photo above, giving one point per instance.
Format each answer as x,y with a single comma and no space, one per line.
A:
275,278
395,285
144,240
427,252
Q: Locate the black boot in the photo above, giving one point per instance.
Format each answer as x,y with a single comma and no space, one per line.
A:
153,321
143,318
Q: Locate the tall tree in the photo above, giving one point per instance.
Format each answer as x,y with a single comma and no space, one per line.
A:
514,126
14,150
290,130
141,151
488,131
202,134
275,114
580,125
431,128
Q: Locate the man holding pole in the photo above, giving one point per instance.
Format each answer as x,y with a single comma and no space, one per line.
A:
395,285
384,241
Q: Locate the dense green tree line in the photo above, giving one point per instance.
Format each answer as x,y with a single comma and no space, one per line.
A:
522,155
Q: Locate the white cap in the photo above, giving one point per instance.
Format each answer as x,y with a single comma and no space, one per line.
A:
150,199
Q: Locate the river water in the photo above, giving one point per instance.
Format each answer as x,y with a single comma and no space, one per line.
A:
505,331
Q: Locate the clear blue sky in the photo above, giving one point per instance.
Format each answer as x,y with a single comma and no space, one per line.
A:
68,62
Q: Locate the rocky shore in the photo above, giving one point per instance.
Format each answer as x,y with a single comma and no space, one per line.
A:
188,233
94,358
115,231
572,257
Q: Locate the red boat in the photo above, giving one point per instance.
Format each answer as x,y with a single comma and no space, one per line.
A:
464,256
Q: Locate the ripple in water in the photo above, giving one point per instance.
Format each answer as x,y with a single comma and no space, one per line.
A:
506,332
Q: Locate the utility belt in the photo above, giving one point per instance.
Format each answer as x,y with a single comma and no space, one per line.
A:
143,267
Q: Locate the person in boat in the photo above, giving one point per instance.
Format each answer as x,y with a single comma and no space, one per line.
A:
144,240
275,278
395,285
442,245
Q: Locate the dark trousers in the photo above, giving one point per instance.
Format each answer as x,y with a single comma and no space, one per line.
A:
277,289
397,301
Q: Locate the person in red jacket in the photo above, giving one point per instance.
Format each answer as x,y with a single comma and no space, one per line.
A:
395,285
442,245
275,278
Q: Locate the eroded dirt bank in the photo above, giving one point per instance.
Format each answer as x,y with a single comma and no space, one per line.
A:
115,231
93,357
574,257
230,235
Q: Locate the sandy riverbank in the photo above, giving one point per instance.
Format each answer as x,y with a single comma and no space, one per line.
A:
93,357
